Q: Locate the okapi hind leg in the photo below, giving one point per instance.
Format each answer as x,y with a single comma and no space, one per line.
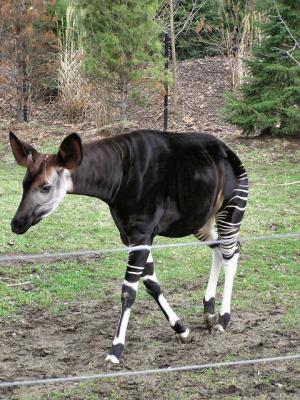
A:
208,232
228,224
153,288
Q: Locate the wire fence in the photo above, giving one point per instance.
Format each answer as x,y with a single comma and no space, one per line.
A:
97,253
139,373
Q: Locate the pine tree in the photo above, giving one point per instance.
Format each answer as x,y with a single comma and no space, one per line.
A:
269,101
123,42
27,47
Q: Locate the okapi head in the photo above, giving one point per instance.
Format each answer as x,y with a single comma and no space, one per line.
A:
47,179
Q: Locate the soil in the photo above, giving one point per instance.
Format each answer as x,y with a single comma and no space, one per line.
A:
38,344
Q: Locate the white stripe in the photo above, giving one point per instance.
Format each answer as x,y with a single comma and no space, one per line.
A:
134,273
139,248
227,223
243,185
239,197
133,285
241,190
170,313
135,267
227,231
123,328
150,278
238,208
150,258
244,173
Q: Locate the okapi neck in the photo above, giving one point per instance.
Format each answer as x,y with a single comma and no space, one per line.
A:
100,173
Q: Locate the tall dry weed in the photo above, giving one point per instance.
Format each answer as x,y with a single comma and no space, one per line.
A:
239,33
80,98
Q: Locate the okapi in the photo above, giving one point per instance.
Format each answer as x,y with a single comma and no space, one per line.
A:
155,183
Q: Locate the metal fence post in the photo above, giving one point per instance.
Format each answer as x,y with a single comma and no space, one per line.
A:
166,95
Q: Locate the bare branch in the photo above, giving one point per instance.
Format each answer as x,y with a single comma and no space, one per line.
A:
191,16
290,52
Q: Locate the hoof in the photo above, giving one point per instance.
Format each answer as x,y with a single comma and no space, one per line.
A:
210,320
219,328
112,359
223,322
184,337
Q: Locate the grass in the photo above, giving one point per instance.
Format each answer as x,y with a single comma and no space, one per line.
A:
268,270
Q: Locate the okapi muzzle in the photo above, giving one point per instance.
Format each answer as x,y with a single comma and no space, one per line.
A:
47,179
25,217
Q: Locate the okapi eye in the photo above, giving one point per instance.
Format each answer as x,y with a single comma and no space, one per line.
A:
46,189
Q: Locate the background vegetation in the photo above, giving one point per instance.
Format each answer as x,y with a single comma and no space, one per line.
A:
93,61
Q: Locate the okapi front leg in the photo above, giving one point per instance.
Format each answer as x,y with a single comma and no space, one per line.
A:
136,263
153,288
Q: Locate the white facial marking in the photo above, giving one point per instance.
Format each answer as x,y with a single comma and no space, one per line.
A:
48,202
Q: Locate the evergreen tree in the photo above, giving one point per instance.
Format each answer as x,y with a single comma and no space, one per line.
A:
123,42
27,45
269,101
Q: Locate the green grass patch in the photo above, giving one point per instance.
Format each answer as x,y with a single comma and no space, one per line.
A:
268,270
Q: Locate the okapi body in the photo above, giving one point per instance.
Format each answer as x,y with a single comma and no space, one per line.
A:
155,183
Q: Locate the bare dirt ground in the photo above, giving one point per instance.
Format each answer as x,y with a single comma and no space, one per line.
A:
38,344
35,343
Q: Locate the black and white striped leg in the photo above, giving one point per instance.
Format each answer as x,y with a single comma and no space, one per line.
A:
228,223
153,288
210,316
208,232
136,264
230,267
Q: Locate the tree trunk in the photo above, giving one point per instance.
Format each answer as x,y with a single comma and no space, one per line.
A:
23,93
21,64
173,53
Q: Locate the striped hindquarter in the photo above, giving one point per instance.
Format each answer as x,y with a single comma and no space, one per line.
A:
224,227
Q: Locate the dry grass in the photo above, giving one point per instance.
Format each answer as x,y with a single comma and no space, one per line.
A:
239,33
79,97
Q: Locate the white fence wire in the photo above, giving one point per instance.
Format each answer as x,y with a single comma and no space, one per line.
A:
139,373
197,367
88,253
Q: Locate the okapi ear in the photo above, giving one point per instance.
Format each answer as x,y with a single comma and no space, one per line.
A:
24,153
70,152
